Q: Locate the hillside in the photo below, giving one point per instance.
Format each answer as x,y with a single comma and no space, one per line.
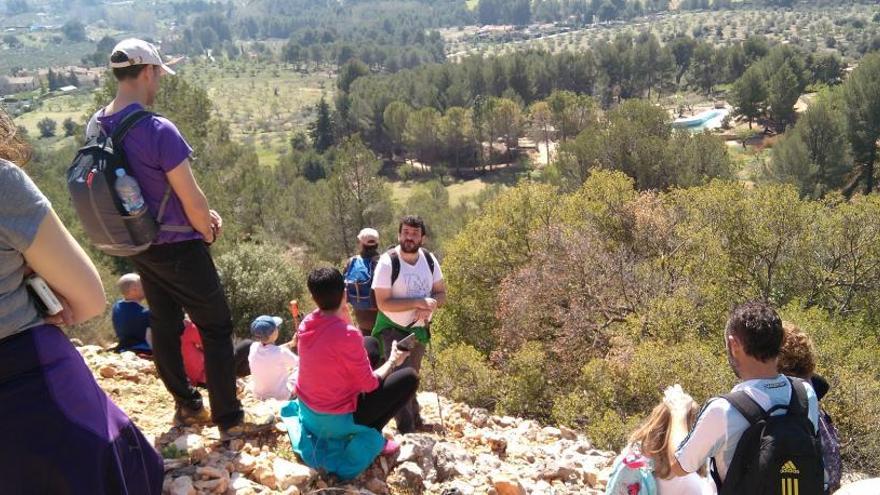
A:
480,453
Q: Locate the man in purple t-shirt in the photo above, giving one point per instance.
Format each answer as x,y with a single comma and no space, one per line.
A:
177,271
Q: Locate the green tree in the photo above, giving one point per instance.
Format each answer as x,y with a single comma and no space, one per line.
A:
422,134
519,12
489,11
750,95
571,113
703,68
783,91
862,108
814,155
293,52
74,30
682,48
352,70
321,130
394,121
541,120
504,120
456,136
352,197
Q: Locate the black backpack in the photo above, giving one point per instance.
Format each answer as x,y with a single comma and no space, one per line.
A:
91,181
776,455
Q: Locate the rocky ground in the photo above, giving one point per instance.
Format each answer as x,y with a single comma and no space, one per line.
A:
478,454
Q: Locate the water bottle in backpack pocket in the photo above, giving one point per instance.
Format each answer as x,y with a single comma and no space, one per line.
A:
129,193
358,283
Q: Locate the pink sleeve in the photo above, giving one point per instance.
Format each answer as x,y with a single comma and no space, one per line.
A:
354,355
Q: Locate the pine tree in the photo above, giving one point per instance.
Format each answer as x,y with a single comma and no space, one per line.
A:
321,130
750,95
782,94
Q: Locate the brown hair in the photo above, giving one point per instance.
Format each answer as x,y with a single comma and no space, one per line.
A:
798,356
652,438
13,146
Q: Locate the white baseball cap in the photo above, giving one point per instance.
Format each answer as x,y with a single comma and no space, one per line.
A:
139,52
367,235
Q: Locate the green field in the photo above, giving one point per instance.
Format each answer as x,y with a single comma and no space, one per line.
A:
264,103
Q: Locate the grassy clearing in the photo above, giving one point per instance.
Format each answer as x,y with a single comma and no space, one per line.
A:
458,191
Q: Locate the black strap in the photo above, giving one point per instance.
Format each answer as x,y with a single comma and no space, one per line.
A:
716,477
798,405
127,123
751,410
395,265
395,262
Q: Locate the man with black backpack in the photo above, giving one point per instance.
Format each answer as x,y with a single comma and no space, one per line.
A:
761,438
152,176
409,287
358,275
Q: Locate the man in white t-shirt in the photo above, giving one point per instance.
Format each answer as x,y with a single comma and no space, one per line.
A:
409,287
273,368
753,338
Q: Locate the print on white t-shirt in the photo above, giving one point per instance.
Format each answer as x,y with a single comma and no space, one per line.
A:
413,281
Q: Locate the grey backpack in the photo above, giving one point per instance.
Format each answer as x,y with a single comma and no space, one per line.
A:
92,182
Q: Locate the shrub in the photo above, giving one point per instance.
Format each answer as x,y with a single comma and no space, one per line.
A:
462,374
69,127
847,357
258,279
47,127
524,387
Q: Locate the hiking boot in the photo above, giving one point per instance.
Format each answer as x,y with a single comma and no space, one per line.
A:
185,416
249,425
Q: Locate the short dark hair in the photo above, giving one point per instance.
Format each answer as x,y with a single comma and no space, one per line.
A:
123,73
758,327
327,287
412,221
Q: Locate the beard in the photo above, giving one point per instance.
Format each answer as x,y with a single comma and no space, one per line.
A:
410,247
733,364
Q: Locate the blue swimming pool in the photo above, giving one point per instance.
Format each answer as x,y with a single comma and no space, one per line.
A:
709,119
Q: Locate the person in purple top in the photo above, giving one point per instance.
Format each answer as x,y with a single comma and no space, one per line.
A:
177,271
